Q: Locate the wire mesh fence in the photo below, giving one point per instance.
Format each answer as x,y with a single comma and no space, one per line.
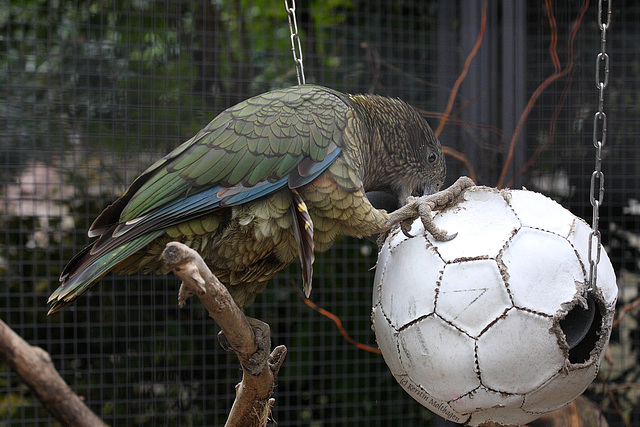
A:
91,93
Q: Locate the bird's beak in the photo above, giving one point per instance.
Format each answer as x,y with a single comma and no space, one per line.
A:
403,196
429,190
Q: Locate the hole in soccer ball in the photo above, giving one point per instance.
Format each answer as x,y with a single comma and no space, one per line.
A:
581,328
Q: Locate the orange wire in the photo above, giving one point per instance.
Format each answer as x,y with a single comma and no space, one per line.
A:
471,125
536,94
550,135
335,319
465,70
448,151
554,36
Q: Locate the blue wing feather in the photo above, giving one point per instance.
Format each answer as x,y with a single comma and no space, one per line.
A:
212,199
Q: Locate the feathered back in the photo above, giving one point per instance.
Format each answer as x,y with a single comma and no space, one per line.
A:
283,138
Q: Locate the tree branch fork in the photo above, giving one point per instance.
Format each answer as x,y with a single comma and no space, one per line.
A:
249,338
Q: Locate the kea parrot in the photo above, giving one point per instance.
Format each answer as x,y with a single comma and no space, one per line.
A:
272,178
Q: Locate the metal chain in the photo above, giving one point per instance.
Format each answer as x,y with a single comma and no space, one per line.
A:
296,47
596,192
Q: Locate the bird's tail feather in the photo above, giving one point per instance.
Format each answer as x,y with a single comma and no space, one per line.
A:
303,232
89,266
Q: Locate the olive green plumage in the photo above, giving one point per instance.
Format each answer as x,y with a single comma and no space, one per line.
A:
270,179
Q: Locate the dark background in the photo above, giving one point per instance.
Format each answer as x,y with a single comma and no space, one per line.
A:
93,92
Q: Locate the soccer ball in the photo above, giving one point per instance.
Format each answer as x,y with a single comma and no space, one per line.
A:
499,324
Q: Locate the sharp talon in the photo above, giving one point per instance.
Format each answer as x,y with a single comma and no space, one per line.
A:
224,343
405,226
406,232
450,237
441,235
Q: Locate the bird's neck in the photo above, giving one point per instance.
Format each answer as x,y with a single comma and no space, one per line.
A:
371,154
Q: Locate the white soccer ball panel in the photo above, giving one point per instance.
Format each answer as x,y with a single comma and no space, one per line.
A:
483,221
439,357
544,271
394,238
561,389
606,278
383,258
438,406
518,353
538,211
387,339
472,294
406,280
482,398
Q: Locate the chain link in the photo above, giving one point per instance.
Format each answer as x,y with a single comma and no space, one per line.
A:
596,192
296,47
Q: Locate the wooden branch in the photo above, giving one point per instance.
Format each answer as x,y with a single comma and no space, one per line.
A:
36,369
249,338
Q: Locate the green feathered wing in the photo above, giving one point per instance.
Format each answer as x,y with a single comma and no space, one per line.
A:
281,138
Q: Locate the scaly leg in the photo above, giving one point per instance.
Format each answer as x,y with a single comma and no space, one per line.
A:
422,207
262,334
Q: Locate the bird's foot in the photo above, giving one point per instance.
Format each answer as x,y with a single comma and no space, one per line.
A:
262,333
224,342
422,207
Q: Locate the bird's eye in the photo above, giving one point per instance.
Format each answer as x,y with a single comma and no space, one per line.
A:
432,157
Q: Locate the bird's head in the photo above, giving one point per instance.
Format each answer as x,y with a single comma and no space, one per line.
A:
405,157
